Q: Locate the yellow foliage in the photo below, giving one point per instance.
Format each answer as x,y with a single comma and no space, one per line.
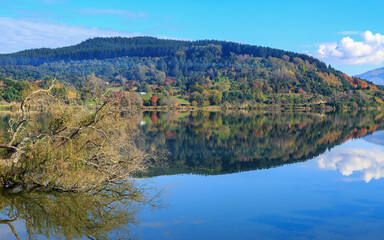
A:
329,137
329,78
71,94
380,116
379,100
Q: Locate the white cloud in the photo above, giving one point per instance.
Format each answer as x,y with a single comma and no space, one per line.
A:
18,35
376,39
369,162
370,50
122,13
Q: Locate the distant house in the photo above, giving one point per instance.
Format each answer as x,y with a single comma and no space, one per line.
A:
285,91
142,93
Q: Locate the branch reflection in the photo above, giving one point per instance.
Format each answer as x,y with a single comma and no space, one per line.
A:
107,214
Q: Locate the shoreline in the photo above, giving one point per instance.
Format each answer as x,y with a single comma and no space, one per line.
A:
14,108
250,108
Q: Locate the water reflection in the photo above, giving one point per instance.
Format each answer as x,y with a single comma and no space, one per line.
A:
108,214
214,143
369,162
376,138
218,143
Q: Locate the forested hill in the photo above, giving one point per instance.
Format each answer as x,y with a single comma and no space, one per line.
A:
201,73
106,48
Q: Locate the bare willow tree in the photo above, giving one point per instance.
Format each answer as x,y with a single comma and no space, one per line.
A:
82,149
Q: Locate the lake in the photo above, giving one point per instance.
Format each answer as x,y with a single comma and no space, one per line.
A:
232,175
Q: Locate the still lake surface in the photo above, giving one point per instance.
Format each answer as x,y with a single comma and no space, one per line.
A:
236,175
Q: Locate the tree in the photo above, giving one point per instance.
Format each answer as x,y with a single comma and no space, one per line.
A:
129,99
139,72
170,101
197,97
159,77
197,88
80,151
154,99
259,96
265,87
146,88
215,97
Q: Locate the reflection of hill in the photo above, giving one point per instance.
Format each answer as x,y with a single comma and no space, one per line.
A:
219,143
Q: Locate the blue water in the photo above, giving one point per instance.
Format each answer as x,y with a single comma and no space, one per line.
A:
337,194
298,201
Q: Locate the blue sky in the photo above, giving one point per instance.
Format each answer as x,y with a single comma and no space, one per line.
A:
343,33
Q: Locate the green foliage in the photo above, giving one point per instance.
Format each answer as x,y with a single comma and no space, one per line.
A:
59,92
11,91
242,73
197,97
215,97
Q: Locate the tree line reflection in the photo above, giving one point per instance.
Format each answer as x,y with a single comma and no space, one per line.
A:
227,142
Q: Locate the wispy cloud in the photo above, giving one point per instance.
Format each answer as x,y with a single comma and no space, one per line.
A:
122,13
370,50
18,35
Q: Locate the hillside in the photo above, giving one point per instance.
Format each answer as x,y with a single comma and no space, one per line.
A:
376,76
201,73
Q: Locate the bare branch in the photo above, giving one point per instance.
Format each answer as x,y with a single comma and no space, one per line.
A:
18,128
6,146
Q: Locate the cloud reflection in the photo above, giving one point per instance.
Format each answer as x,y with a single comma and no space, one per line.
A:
369,162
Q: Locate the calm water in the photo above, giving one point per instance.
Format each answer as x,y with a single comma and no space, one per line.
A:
290,175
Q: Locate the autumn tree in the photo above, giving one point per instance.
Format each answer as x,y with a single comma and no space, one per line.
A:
154,100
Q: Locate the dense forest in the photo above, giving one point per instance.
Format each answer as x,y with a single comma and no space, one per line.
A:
200,73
